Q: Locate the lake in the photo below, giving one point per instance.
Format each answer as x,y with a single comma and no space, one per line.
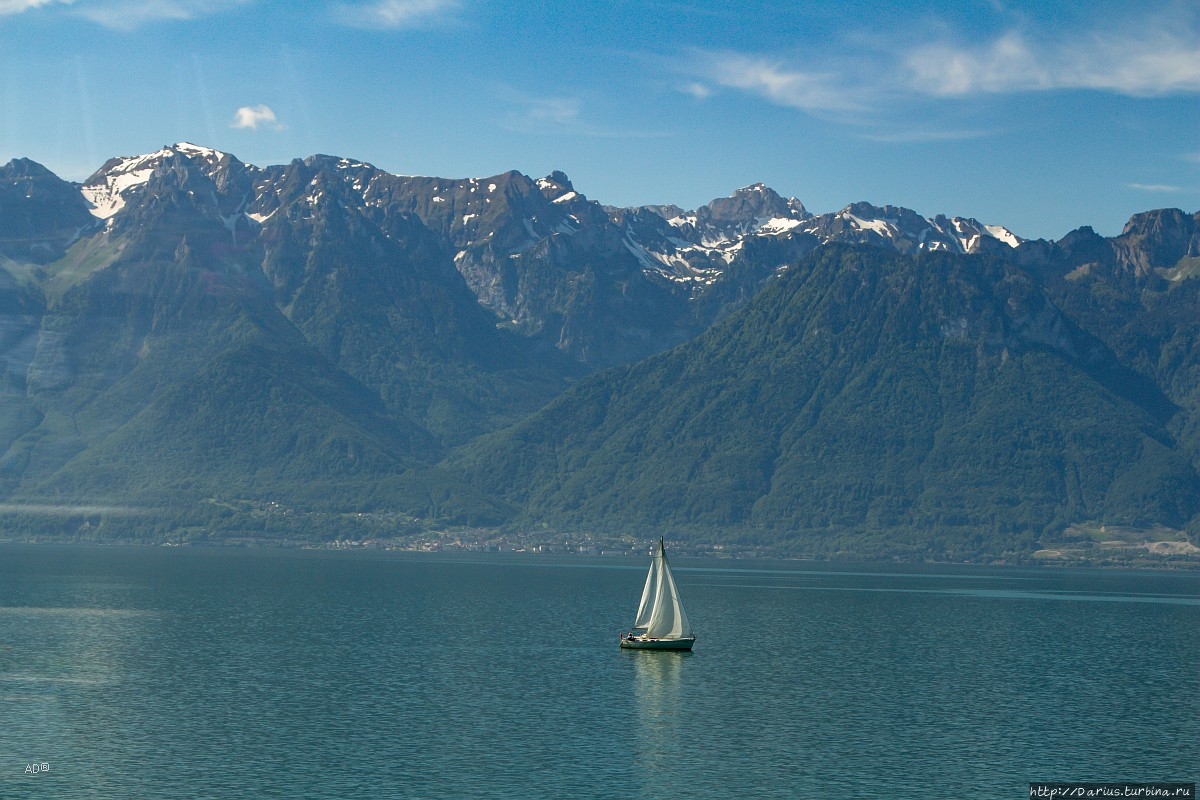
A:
208,673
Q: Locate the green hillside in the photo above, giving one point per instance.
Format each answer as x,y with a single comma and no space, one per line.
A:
934,406
166,369
194,348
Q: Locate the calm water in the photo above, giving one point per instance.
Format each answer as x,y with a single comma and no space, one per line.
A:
159,673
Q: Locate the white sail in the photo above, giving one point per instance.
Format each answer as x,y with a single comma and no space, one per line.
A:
649,592
665,617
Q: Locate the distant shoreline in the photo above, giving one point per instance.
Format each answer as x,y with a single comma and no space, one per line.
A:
1154,558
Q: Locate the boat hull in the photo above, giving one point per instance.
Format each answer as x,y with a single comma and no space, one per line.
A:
633,643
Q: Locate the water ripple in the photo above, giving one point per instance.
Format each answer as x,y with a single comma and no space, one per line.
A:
311,675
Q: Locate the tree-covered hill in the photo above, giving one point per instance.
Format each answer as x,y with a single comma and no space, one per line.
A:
178,352
196,348
936,405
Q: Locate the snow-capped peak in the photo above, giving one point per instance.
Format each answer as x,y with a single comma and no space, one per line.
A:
107,190
1003,234
695,246
769,195
350,163
970,233
187,148
556,187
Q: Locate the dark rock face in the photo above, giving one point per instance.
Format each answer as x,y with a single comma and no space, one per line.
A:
40,214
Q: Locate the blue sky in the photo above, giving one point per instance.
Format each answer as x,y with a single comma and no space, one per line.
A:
1039,115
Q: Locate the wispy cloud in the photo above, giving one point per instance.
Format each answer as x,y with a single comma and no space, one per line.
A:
559,115
254,117
129,14
126,14
542,112
9,7
1147,62
396,14
1156,187
862,82
894,134
808,90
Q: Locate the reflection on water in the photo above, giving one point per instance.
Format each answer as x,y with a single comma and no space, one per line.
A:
63,673
40,611
660,728
66,645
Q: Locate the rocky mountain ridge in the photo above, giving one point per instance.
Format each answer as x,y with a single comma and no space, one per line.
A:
183,325
539,254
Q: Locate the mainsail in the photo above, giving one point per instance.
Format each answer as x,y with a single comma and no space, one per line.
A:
661,613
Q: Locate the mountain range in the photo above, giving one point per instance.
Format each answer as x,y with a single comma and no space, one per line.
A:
194,347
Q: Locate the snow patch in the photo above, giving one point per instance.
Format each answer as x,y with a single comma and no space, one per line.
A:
881,226
206,153
1003,234
639,253
107,194
778,225
107,198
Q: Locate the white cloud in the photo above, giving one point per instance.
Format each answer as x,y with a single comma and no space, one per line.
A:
1004,65
860,82
805,90
1148,62
893,134
531,114
395,14
559,115
253,117
9,7
562,112
1155,187
127,14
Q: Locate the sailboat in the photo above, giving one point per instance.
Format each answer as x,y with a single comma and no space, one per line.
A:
661,622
